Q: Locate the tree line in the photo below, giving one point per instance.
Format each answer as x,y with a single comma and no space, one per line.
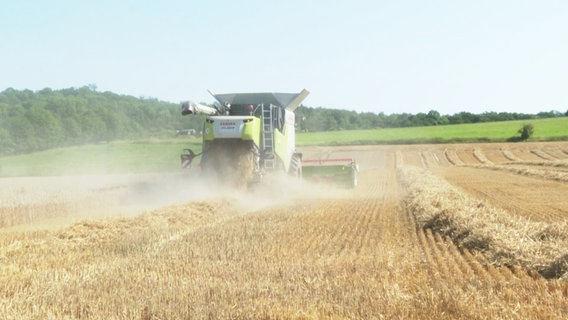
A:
320,119
33,121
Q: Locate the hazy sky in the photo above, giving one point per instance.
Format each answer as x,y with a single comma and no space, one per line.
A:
378,56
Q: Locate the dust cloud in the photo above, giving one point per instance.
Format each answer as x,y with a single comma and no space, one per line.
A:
275,190
65,199
56,201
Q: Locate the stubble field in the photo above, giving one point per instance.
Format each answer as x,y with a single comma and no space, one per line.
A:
432,232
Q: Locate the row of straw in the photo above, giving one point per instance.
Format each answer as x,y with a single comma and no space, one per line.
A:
503,238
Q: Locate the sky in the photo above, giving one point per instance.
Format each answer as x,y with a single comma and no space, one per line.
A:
364,55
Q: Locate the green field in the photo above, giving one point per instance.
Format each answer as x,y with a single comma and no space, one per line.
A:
544,130
163,155
115,157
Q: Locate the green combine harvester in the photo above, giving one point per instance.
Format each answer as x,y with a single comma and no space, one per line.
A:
247,136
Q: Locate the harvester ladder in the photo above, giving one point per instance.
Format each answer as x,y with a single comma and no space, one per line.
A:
268,136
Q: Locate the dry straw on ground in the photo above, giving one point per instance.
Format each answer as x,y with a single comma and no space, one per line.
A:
286,252
504,239
552,171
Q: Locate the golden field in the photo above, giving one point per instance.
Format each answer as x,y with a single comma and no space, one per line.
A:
432,232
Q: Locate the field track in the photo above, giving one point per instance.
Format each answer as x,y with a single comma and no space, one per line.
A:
295,250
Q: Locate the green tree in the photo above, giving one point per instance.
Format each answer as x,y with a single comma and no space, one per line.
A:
6,144
526,131
434,117
46,126
73,131
24,137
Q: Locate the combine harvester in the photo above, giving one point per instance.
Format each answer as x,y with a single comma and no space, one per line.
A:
249,135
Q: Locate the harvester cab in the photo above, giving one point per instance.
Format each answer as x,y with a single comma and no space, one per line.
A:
246,136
